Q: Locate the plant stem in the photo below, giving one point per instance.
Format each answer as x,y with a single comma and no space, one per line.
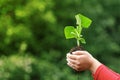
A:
78,43
78,36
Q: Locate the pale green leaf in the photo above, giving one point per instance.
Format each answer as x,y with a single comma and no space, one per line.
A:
85,21
69,32
78,20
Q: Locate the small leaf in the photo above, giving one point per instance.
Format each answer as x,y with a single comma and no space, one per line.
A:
69,32
85,22
81,35
83,40
78,20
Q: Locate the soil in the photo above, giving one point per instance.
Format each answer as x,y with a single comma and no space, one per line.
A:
77,48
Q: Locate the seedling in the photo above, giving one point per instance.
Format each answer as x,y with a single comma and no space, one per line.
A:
72,32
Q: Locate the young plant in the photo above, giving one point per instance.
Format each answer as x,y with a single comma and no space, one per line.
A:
72,32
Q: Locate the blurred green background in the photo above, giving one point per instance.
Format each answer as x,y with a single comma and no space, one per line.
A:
32,42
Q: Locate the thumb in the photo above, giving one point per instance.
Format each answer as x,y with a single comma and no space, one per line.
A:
79,52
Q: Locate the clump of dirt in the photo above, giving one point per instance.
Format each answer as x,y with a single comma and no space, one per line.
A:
77,48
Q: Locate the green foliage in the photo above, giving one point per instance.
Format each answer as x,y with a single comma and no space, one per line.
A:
31,32
16,67
71,32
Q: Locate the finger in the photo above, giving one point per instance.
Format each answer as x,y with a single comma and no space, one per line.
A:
72,61
79,52
70,56
71,65
75,67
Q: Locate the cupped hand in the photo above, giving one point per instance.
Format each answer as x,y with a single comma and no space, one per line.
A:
82,60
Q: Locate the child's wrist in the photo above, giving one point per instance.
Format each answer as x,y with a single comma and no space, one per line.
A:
94,65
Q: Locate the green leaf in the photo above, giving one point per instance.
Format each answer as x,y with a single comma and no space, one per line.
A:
83,40
69,32
78,20
83,21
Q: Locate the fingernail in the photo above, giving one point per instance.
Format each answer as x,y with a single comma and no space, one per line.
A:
68,55
67,63
73,52
67,59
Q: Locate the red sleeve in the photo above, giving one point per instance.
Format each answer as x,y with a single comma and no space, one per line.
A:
104,73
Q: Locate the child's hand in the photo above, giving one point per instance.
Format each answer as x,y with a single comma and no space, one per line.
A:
82,60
